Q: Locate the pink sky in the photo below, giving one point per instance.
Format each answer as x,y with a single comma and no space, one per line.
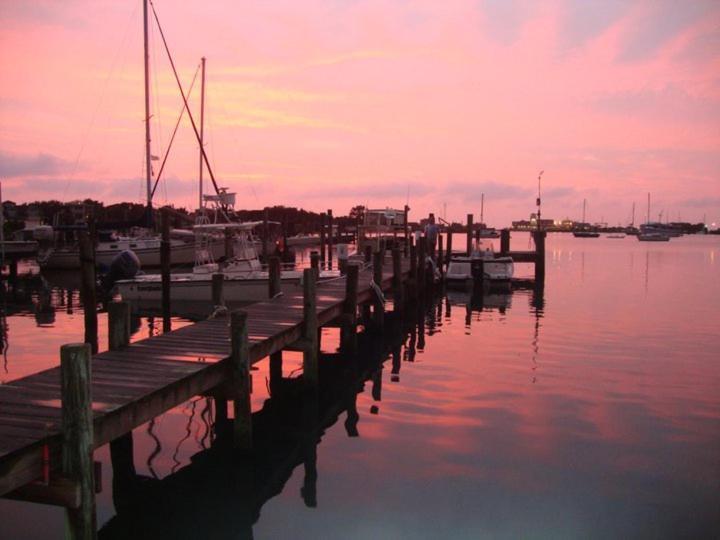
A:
336,103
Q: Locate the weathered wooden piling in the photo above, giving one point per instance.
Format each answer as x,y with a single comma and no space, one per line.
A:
77,445
422,267
88,289
368,253
323,219
330,241
378,307
315,261
448,255
310,328
348,334
412,285
440,257
539,237
273,290
240,361
398,296
165,268
504,241
118,325
469,245
217,288
406,230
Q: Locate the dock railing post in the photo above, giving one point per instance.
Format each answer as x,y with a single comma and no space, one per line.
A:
348,332
165,268
505,241
310,328
378,307
77,445
273,290
217,289
240,360
469,234
87,289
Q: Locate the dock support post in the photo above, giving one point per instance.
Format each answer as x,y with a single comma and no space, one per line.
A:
217,289
469,234
118,325
87,289
77,446
413,280
378,307
398,300
440,257
422,267
240,360
310,328
315,261
348,334
165,269
273,290
539,237
504,241
330,239
265,236
448,255
368,253
406,230
322,239
121,448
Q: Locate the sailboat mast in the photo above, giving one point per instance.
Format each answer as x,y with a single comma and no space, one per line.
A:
482,208
148,156
584,201
648,213
202,129
632,224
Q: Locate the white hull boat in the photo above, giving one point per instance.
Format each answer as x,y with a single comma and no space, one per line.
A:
147,251
494,268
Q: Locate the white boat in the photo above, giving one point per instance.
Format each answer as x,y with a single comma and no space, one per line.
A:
616,236
494,268
147,249
303,240
653,237
244,278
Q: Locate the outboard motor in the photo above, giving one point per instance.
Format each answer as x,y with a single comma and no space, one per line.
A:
125,265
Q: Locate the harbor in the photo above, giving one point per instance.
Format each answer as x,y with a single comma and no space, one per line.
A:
363,270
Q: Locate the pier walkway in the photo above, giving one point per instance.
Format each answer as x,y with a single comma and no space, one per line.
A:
132,385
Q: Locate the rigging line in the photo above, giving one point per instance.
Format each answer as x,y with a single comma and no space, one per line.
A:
172,138
182,93
100,100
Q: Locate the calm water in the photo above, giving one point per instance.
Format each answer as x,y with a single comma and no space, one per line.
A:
592,411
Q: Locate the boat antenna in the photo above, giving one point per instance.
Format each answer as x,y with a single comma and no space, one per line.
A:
538,199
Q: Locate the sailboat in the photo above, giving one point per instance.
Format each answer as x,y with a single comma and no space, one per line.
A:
651,232
483,231
583,233
146,246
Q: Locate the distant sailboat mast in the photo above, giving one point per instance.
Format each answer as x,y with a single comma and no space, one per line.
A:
648,211
148,156
632,223
482,209
202,129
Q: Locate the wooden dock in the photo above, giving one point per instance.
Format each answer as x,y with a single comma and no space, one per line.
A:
51,422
